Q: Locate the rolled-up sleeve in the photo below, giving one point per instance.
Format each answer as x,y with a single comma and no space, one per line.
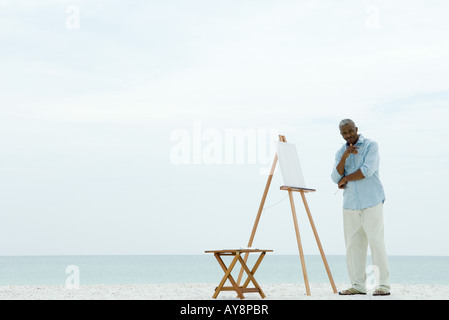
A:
336,177
371,162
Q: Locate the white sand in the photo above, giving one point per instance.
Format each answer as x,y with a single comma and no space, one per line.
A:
204,292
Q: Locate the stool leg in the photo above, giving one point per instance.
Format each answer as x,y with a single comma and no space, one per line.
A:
228,275
251,277
253,270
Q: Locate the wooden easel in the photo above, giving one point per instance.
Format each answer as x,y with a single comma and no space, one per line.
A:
290,190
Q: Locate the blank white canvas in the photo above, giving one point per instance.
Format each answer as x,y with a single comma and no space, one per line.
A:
290,166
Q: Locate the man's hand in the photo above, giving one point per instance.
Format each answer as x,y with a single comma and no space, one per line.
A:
350,150
342,183
358,175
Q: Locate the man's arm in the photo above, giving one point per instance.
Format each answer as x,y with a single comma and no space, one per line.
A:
358,175
341,168
370,165
341,165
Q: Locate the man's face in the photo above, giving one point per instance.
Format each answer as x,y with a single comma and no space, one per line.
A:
349,133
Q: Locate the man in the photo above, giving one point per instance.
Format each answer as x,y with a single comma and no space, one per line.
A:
356,170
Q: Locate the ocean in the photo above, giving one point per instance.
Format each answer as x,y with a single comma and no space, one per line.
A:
152,269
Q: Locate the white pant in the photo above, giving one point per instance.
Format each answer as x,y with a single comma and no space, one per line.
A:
363,227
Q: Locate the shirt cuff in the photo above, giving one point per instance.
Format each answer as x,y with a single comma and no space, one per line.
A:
365,171
336,177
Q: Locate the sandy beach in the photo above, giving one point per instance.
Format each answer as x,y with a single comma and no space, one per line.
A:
204,292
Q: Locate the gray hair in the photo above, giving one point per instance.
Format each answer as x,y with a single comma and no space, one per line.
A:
345,122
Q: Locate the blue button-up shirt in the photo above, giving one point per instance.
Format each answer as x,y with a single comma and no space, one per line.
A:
367,192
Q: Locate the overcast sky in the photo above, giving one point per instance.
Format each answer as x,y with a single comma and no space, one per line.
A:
119,121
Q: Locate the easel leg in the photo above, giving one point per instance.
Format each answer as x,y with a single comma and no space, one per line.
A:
259,213
298,238
318,241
